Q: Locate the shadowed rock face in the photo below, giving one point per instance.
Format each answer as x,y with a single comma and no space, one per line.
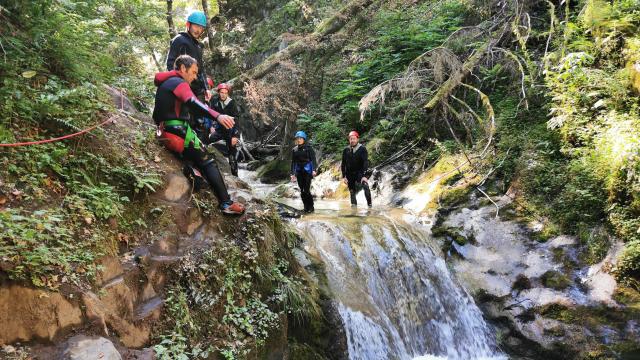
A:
27,314
541,294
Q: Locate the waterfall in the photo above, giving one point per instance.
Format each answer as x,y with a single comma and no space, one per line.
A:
396,297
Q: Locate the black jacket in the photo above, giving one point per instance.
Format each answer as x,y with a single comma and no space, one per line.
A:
355,162
231,109
185,44
301,156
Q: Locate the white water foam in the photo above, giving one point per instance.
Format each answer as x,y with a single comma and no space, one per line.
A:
396,296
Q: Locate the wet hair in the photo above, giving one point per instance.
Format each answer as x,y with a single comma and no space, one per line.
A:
185,60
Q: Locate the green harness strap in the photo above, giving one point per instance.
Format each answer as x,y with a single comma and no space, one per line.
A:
190,136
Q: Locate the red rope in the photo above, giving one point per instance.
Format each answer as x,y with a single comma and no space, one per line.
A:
55,139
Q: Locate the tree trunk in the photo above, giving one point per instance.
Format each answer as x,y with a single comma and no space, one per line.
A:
327,27
205,8
152,52
172,27
287,135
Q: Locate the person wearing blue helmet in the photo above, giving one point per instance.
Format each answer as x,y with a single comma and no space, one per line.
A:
187,43
303,169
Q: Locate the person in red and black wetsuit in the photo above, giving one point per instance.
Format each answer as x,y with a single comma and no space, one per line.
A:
354,167
175,104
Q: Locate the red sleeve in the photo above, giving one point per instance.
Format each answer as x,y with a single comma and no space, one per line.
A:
183,92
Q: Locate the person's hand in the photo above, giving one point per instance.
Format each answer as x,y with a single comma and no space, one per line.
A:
226,121
234,141
293,178
313,173
207,95
212,130
345,181
364,180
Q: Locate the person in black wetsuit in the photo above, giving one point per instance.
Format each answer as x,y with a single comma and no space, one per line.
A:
303,169
175,104
187,43
355,163
226,105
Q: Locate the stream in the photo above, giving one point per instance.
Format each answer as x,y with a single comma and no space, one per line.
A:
395,294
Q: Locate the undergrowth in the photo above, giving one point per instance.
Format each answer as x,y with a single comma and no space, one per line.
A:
230,298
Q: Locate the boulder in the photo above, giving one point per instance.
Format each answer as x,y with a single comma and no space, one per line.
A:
82,347
177,187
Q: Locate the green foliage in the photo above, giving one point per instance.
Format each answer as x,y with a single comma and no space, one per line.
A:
596,113
43,247
628,267
235,294
396,35
294,17
324,129
596,242
399,36
101,199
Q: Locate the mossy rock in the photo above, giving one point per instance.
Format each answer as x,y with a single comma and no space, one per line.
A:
550,230
522,283
555,280
254,165
274,171
627,350
454,197
452,233
627,296
556,331
304,352
558,312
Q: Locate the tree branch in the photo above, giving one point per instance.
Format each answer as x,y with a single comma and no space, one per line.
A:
327,27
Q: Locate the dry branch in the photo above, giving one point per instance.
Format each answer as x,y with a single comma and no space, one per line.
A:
456,78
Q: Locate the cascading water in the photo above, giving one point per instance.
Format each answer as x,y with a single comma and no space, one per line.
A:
396,297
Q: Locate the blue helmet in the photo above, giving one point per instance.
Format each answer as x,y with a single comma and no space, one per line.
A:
301,134
198,18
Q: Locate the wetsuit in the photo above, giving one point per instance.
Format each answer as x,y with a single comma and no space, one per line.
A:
303,164
355,163
174,104
185,44
227,107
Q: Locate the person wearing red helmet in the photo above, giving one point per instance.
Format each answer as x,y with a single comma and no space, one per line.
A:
224,104
355,163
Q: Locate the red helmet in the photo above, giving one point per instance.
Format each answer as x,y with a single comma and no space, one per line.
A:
222,86
354,133
210,82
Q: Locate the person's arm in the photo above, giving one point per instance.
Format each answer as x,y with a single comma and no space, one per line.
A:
183,93
314,161
365,161
293,171
343,164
